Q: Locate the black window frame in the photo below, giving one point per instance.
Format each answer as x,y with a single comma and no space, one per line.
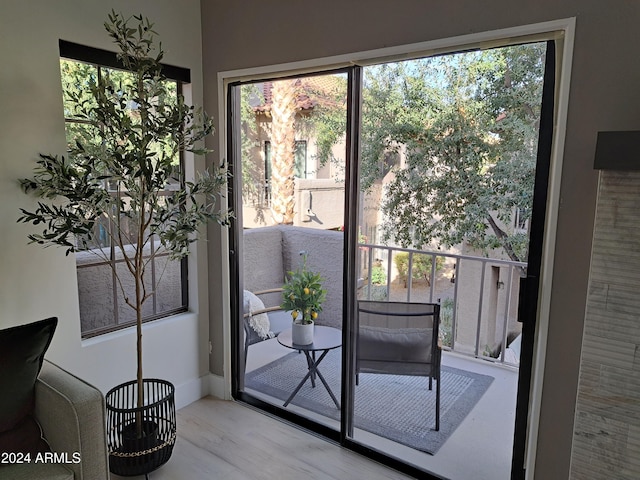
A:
101,59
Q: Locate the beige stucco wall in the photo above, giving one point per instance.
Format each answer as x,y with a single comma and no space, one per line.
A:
603,96
319,203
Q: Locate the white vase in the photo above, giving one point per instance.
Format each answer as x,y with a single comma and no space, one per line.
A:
302,333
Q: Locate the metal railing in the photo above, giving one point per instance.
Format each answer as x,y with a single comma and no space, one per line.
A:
473,310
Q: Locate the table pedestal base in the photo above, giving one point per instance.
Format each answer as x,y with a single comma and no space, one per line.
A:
312,364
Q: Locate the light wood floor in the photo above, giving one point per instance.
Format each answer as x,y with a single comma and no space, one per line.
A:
219,439
223,439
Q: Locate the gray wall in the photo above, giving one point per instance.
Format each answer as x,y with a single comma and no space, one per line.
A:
604,96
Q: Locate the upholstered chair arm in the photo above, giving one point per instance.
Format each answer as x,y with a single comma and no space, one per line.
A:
275,308
71,414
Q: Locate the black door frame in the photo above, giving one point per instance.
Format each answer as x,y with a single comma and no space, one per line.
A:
530,285
529,291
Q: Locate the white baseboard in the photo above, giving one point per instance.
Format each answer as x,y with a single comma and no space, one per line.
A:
190,391
217,387
193,390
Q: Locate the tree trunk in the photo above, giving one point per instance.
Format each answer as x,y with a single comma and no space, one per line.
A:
506,245
139,278
139,376
283,112
138,274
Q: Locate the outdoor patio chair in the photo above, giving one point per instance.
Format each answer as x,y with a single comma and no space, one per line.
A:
261,322
400,338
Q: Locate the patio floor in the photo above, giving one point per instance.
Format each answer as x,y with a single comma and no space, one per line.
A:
479,448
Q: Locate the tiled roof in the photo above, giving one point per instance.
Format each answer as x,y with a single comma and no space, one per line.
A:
310,92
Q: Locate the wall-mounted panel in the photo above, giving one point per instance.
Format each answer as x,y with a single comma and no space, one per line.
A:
607,426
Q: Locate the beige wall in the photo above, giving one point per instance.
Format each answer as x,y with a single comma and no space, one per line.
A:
36,283
604,96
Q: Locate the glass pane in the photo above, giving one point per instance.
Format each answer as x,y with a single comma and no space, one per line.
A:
98,242
126,314
448,162
78,79
301,159
163,97
95,292
169,277
86,138
121,80
86,135
293,146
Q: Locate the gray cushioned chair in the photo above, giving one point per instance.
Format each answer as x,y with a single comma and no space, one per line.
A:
400,338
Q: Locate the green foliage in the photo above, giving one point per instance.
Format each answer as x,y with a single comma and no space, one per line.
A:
420,266
376,288
378,275
467,125
122,158
122,167
86,201
446,322
374,292
303,294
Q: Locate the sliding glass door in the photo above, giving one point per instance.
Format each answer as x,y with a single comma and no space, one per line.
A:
447,171
416,190
289,170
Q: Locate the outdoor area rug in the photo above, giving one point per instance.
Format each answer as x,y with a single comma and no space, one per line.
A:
400,408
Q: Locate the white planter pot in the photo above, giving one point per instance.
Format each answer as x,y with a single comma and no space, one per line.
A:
302,333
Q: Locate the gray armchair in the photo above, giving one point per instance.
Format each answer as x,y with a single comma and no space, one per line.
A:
71,414
400,338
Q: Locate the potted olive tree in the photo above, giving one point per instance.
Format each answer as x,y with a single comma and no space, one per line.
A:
130,180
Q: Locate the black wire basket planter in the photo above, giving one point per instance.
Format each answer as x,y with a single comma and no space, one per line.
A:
140,439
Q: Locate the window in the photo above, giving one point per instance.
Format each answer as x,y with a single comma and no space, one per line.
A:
300,153
101,295
301,158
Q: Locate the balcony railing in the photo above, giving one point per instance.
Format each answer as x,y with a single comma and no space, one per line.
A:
478,296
